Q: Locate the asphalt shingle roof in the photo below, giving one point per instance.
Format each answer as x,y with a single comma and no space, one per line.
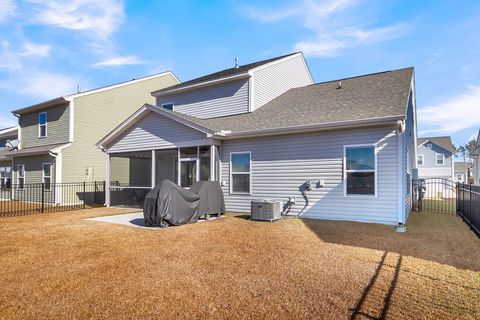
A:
359,98
444,142
225,73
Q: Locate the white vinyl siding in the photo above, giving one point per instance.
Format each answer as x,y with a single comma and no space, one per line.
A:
212,101
272,81
280,165
155,131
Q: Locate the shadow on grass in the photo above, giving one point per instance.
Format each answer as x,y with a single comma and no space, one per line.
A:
434,237
383,310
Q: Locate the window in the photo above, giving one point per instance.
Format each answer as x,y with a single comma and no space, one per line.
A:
21,177
42,124
5,177
420,160
360,167
240,172
439,159
168,106
460,177
47,176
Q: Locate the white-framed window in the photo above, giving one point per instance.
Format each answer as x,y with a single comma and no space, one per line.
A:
439,159
42,124
47,176
168,106
21,177
459,177
241,172
420,160
5,177
360,170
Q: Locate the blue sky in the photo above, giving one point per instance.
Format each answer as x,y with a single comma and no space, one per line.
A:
48,47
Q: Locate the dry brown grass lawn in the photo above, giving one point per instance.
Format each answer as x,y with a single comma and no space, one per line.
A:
59,265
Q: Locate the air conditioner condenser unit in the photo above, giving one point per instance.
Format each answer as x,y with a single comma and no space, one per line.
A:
266,210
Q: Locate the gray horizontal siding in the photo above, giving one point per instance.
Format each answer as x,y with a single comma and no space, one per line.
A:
155,131
213,101
280,165
429,167
272,81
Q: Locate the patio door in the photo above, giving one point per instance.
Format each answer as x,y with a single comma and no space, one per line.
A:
188,173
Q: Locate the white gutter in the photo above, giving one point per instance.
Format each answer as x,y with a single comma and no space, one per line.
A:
393,120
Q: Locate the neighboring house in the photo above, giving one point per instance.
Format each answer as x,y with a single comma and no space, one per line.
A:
475,155
57,137
435,157
342,149
8,140
462,171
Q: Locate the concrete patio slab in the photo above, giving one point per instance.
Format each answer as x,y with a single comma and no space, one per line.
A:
130,219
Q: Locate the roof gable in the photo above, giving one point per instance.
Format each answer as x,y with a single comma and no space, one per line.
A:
443,142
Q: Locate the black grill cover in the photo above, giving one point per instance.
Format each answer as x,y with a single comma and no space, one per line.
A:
211,197
170,204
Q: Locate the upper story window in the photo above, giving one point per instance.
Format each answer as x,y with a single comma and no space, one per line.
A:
439,159
420,160
168,106
42,124
240,172
360,170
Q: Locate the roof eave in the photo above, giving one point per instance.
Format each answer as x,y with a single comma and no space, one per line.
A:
392,120
40,106
166,91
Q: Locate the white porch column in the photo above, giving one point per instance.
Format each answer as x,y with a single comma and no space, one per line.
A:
107,181
212,162
154,168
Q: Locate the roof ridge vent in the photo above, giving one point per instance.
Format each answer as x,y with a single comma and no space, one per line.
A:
237,64
339,85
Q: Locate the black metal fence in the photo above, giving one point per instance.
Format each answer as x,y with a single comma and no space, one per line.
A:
25,199
436,195
468,205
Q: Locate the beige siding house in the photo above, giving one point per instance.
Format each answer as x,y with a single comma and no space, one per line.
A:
59,135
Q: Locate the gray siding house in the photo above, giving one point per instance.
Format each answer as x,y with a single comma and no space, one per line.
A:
341,150
435,157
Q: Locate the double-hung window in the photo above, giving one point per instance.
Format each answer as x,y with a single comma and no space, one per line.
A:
420,160
21,176
240,172
47,176
360,170
439,159
42,124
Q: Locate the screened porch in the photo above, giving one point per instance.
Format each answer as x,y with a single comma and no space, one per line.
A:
133,174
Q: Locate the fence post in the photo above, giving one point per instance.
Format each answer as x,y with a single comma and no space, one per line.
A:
84,193
95,192
470,202
43,197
